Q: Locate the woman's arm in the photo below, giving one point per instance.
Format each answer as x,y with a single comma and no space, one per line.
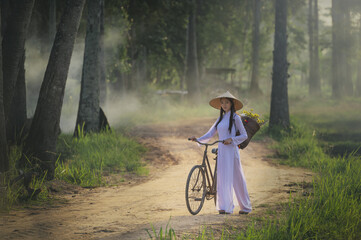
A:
243,134
211,132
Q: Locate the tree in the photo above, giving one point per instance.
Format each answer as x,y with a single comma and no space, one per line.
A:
40,145
347,47
52,20
255,47
314,71
358,82
341,47
13,44
279,116
88,112
103,85
4,161
336,50
192,73
17,116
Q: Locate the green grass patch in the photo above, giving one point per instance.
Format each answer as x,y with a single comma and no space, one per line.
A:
86,159
299,146
12,189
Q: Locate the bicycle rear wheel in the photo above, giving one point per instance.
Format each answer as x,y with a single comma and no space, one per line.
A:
195,189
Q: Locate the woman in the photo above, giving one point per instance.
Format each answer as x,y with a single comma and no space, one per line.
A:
230,176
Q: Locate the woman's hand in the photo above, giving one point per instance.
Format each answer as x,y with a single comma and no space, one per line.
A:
227,141
193,138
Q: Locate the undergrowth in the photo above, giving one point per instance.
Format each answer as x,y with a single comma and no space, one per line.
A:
86,159
12,189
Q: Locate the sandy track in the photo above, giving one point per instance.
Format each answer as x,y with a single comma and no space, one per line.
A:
124,212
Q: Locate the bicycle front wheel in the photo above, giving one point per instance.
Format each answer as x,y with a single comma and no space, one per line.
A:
195,190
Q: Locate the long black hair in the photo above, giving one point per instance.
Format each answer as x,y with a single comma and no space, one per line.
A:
230,117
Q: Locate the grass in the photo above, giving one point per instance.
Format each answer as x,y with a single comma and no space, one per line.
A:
13,192
335,123
85,160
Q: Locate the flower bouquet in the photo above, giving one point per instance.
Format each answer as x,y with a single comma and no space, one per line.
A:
252,123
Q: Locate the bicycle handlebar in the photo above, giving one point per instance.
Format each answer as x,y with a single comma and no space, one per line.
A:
206,144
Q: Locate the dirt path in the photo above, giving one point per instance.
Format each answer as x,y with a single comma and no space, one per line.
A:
124,212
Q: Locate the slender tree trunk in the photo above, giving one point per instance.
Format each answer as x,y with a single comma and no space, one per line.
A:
255,48
52,20
103,84
192,73
88,113
341,49
279,115
5,12
316,81
347,48
358,82
17,115
40,146
244,34
336,50
314,71
4,160
13,47
184,80
311,76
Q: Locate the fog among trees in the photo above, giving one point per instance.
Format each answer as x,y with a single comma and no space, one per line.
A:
57,77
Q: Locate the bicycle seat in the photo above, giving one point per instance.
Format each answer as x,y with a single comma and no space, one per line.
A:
214,150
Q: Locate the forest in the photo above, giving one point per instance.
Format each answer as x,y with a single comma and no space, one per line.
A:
77,78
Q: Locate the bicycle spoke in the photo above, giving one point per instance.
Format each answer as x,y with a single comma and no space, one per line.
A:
195,190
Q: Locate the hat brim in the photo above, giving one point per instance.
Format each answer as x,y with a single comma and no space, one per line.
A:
216,103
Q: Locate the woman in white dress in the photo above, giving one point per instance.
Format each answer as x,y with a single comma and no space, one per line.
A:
230,176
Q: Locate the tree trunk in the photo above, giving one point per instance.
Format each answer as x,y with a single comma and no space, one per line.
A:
5,12
255,90
316,82
52,20
103,84
341,50
17,115
347,48
279,116
192,76
358,82
88,113
13,47
244,35
311,76
40,146
4,160
314,71
336,50
184,80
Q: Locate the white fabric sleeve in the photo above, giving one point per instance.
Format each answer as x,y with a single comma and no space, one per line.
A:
211,132
243,134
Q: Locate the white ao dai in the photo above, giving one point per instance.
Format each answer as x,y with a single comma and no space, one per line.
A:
230,176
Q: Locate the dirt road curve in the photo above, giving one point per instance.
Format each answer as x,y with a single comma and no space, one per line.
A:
125,211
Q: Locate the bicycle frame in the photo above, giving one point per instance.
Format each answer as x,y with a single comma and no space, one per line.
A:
207,167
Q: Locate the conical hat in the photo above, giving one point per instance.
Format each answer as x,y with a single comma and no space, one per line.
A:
216,102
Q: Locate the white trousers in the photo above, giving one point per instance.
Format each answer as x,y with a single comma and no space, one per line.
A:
230,182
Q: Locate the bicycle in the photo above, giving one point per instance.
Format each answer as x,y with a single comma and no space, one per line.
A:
201,183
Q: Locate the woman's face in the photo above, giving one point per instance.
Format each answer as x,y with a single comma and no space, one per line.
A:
226,104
